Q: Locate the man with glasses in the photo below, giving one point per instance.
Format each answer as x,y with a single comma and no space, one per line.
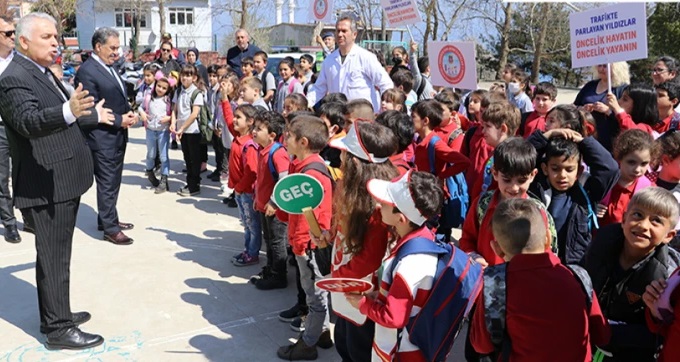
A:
241,50
165,61
176,53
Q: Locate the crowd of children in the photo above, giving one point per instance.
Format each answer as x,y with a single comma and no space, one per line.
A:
583,237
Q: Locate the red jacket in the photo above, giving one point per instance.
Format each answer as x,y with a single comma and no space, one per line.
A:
443,155
478,152
368,260
265,181
534,122
298,229
399,161
546,313
477,238
670,333
243,165
626,122
476,188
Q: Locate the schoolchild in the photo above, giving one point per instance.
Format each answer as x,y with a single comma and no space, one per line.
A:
633,152
333,114
403,80
393,99
623,260
267,79
358,109
229,93
519,91
544,97
251,88
306,136
637,108
221,162
288,84
667,157
405,204
474,147
402,127
247,66
307,66
668,97
293,103
541,294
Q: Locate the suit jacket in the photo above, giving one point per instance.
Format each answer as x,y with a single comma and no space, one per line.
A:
51,162
97,80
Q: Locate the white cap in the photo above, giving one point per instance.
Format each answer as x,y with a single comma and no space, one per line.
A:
397,194
353,144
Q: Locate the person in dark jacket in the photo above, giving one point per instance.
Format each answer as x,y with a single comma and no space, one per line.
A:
193,59
166,62
623,259
571,201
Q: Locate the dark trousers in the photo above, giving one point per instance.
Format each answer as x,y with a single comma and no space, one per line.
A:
204,152
274,233
353,343
301,296
6,204
218,147
54,224
108,172
191,149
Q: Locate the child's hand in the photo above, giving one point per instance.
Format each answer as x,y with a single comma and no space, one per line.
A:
218,132
166,119
481,261
652,294
414,46
269,210
600,107
143,116
613,103
323,240
179,134
566,133
354,299
601,211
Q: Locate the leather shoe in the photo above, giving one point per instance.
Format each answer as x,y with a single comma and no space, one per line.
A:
118,238
29,229
121,225
78,318
74,338
12,234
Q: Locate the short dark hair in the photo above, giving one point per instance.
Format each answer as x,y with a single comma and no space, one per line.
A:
335,97
503,113
630,141
427,193
423,63
247,61
308,58
312,128
569,117
429,109
274,122
672,87
666,145
298,100
514,157
360,108
376,138
291,116
402,126
261,54
449,98
335,112
403,78
559,147
213,68
546,88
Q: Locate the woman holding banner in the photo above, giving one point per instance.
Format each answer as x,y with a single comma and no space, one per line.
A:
593,96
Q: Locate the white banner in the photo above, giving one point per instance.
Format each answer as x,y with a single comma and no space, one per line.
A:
453,64
321,10
401,12
608,34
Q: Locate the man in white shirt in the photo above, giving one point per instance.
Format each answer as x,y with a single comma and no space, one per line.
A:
350,69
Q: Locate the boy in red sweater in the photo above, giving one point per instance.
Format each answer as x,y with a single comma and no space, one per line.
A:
545,95
499,122
402,127
305,138
451,120
541,294
273,165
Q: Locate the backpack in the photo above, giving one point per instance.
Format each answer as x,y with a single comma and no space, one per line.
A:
421,87
204,119
455,287
264,90
270,161
495,307
323,257
485,200
322,168
457,202
249,143
291,85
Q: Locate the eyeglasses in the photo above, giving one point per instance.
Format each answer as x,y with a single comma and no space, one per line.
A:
165,50
659,70
8,33
602,65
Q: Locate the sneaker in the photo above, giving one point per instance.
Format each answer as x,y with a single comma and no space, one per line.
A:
238,256
184,191
325,341
246,260
298,324
298,352
295,311
264,273
272,281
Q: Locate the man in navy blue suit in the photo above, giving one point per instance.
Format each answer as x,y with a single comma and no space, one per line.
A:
108,142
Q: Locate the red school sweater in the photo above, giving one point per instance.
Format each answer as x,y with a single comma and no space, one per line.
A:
478,152
443,155
264,186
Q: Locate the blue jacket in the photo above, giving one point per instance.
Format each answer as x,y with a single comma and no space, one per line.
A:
581,219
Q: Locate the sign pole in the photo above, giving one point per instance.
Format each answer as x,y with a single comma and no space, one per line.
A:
408,28
609,77
314,227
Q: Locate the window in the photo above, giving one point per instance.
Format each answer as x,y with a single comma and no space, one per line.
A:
124,18
181,16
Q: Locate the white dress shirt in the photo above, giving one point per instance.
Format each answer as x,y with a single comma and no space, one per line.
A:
358,77
110,70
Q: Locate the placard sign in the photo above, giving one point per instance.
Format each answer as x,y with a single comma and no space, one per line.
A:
321,10
344,285
296,192
608,34
401,12
453,64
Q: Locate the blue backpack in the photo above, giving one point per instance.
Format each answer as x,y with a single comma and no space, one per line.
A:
270,161
456,284
458,201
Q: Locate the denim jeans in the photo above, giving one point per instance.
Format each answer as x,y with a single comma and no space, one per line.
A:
274,232
252,228
317,299
157,143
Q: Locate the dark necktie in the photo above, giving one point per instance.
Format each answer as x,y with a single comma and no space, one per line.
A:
115,78
56,82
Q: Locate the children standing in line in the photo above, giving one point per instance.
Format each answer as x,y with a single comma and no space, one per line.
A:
632,151
306,136
187,106
623,260
540,294
156,112
288,84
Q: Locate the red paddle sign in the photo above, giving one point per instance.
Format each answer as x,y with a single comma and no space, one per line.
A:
344,285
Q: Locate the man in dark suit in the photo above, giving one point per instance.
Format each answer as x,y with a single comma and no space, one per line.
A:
108,142
52,168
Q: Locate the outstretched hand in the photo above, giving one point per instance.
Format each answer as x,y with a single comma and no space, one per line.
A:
106,116
81,102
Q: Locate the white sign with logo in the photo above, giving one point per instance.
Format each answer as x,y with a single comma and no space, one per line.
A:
322,10
401,12
453,64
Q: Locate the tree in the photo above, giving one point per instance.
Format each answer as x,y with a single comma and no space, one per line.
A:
161,13
61,10
247,13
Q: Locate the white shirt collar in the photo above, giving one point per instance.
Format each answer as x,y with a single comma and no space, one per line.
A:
9,57
100,61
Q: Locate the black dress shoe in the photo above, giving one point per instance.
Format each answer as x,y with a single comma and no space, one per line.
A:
12,234
74,338
118,238
121,225
78,319
29,229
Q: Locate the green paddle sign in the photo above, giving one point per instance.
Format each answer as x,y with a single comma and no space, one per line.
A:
296,192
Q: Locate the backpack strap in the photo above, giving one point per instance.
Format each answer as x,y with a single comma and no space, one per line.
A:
146,101
270,161
487,175
455,134
675,121
431,153
321,168
468,137
292,84
483,205
584,280
592,216
249,143
419,245
421,87
194,94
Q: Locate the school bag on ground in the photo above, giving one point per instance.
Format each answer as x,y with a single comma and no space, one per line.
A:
455,287
204,119
457,201
495,306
